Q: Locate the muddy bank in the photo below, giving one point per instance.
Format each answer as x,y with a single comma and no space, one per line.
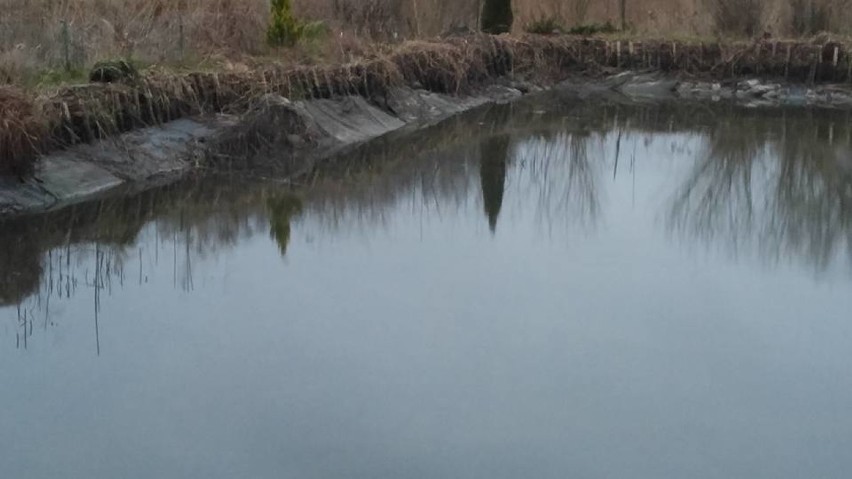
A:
275,134
106,136
455,66
292,140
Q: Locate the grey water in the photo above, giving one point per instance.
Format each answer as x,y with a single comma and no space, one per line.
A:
555,288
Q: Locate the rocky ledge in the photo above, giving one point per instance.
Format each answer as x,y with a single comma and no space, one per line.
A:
749,92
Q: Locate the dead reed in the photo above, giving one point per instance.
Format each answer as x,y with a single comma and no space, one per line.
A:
22,131
76,114
39,36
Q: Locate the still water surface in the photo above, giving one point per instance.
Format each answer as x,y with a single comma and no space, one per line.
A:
558,288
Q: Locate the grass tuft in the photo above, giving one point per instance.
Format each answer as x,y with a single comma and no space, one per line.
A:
593,29
544,25
22,130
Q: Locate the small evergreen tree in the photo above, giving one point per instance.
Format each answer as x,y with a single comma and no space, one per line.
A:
284,29
497,16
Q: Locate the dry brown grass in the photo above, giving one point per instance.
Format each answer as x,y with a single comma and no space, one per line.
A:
44,35
33,32
455,65
691,18
22,131
77,114
232,31
393,19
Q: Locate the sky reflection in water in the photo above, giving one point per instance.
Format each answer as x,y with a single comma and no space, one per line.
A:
555,288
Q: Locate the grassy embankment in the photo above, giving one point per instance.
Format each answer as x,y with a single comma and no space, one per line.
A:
214,55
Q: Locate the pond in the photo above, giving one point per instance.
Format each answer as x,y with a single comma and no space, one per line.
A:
560,287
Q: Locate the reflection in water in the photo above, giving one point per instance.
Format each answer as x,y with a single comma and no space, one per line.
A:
86,249
282,210
20,264
566,168
406,338
492,173
780,186
779,182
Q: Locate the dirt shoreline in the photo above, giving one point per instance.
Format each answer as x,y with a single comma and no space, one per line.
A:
458,65
104,136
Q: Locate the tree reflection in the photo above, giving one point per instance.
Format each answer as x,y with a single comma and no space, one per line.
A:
782,186
721,181
777,183
564,171
282,210
492,174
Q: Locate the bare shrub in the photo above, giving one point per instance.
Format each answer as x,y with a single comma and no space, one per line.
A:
579,11
393,19
737,17
810,16
80,32
565,12
40,38
16,63
376,19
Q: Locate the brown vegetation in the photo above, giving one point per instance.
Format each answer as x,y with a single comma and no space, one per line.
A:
77,114
45,41
38,36
21,131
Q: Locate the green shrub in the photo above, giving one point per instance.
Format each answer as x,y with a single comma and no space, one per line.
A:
544,26
284,28
497,16
111,71
53,77
592,29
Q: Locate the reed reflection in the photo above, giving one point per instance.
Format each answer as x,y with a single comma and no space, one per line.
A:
778,183
97,248
563,174
779,186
